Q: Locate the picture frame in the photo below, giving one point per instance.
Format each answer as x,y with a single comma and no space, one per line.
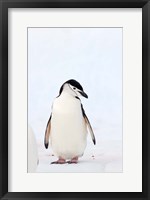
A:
4,96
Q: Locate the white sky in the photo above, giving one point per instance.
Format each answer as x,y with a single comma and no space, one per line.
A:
92,56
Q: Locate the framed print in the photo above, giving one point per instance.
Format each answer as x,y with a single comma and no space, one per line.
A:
74,99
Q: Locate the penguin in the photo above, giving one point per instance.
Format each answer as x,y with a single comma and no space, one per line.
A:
68,124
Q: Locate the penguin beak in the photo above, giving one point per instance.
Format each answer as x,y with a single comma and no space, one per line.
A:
83,94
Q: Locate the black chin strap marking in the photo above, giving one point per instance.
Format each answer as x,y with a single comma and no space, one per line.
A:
77,97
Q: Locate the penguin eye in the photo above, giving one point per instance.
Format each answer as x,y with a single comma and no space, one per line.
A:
74,88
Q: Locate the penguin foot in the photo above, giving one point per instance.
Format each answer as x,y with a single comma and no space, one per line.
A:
73,160
59,161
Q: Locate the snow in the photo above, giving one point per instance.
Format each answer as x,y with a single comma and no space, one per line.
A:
105,157
32,151
92,56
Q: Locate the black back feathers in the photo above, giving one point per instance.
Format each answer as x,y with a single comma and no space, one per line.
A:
88,124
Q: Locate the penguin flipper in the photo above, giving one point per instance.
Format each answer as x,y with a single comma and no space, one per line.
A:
47,133
87,122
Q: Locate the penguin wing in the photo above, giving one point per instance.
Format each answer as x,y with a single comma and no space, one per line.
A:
47,133
87,122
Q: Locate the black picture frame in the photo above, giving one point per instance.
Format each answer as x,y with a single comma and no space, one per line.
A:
4,6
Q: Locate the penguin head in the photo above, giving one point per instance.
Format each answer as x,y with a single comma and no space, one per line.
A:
73,88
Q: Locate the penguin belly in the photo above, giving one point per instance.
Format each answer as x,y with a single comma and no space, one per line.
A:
68,131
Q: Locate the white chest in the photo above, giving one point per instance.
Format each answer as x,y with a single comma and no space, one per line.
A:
66,105
68,130
67,113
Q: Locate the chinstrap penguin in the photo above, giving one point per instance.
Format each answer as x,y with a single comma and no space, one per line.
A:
67,126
